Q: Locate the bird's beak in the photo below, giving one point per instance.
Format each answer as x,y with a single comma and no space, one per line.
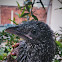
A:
13,30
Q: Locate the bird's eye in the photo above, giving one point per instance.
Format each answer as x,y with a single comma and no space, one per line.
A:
33,31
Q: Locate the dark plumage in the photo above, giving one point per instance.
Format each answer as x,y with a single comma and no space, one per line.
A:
38,45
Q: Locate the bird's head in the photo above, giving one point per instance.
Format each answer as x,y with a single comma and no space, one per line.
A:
31,30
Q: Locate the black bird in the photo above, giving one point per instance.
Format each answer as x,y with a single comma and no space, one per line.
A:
39,43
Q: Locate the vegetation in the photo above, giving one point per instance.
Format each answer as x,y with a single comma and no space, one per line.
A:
58,57
8,40
11,39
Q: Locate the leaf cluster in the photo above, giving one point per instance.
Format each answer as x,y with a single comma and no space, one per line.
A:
25,10
59,47
9,40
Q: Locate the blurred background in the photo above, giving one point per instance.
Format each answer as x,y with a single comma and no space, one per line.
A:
52,15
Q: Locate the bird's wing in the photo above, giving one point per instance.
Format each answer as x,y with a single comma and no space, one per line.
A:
22,53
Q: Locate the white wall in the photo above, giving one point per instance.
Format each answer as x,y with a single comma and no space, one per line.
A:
45,2
56,17
11,2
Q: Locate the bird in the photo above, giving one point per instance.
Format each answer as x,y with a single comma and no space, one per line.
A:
38,44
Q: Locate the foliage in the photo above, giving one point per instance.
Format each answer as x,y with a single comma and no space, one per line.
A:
58,57
27,7
9,40
26,12
13,21
4,52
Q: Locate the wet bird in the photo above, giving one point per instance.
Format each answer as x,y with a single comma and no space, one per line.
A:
38,44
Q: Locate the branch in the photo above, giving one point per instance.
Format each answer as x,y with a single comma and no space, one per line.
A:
33,3
42,4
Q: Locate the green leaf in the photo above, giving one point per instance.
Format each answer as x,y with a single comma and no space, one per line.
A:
14,57
21,14
60,49
1,57
4,54
24,14
8,53
18,4
28,7
13,21
59,44
35,17
56,61
15,40
18,15
29,3
1,51
23,11
8,49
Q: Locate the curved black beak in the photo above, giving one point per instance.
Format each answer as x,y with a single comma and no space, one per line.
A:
13,30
